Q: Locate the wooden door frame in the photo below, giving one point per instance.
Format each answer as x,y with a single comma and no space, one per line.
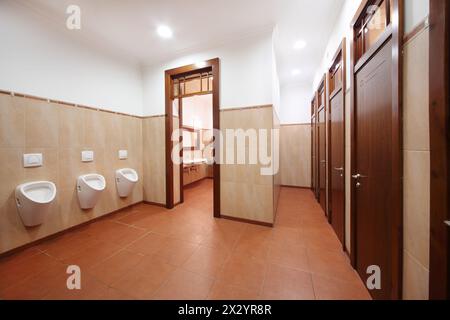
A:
395,32
316,146
341,50
439,284
323,82
214,65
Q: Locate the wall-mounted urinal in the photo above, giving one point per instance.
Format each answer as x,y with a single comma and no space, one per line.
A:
33,200
89,188
125,181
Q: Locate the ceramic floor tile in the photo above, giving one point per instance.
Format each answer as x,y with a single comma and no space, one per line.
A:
283,283
116,266
142,281
206,261
332,289
148,252
185,285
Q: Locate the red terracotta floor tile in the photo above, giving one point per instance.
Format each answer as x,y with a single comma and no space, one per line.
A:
37,286
142,281
91,289
330,263
289,255
206,261
176,252
185,285
12,272
147,252
223,291
116,266
93,255
242,271
332,289
283,283
148,244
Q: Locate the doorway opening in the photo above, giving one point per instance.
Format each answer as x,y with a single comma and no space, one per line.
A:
192,115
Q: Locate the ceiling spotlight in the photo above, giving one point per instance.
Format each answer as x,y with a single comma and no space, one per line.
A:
300,44
296,72
164,32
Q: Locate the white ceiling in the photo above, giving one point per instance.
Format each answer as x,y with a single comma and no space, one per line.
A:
127,28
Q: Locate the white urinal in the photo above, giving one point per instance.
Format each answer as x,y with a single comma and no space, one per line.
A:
89,188
125,181
33,200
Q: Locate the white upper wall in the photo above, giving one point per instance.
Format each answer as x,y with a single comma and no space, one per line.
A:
245,74
38,60
295,104
415,12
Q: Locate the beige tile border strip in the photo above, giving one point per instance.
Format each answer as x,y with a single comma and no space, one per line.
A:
294,124
74,105
64,103
247,108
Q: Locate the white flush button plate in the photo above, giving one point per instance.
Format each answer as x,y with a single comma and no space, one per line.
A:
87,156
123,154
32,160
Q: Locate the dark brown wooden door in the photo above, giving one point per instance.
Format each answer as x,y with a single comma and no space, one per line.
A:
322,163
337,163
440,150
373,188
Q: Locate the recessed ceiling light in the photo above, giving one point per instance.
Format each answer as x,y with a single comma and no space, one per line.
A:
300,44
164,32
296,72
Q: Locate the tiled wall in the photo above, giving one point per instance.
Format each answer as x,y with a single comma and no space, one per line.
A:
295,155
416,162
60,133
245,193
154,159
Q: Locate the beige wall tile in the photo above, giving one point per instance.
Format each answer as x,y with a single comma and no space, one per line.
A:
415,279
60,133
416,93
416,203
96,131
41,124
12,123
247,201
71,127
245,193
154,165
11,169
295,141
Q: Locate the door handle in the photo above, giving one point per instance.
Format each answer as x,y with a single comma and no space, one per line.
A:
447,223
323,161
358,176
339,169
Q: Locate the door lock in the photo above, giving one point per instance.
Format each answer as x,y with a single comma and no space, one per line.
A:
358,185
